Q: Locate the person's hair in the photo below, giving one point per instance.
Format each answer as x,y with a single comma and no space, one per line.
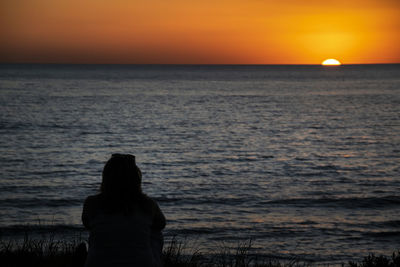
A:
121,184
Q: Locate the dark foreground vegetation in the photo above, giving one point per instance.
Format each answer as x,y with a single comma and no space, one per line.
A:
46,252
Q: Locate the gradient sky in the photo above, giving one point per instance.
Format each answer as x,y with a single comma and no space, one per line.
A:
200,31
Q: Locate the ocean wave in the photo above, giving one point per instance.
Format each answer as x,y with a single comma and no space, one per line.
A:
39,202
383,234
193,200
39,229
236,200
352,202
12,188
6,125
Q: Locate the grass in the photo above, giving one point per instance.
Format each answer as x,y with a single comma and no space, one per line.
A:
38,252
378,261
175,255
47,251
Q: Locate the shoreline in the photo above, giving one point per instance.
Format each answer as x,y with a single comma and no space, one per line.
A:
47,250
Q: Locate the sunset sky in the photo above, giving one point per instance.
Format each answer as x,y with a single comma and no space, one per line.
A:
199,31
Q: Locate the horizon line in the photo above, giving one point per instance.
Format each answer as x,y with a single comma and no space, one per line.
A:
194,64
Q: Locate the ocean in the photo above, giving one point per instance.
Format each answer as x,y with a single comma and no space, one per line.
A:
304,161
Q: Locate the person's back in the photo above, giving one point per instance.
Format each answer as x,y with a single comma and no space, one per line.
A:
123,235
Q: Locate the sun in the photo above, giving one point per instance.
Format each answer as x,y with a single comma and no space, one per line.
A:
331,62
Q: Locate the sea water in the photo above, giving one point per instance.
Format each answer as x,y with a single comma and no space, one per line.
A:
304,161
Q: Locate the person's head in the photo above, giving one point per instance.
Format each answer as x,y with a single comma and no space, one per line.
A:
121,184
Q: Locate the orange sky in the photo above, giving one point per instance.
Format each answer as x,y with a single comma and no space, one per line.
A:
200,31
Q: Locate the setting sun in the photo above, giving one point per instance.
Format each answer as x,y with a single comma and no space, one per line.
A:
175,31
331,62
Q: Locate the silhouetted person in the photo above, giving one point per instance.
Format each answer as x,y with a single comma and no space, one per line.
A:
125,225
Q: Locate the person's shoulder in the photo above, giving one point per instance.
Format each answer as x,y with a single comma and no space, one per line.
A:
93,200
159,220
149,200
149,203
145,200
90,209
93,197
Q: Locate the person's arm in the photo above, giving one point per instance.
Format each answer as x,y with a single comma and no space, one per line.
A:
157,238
159,220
